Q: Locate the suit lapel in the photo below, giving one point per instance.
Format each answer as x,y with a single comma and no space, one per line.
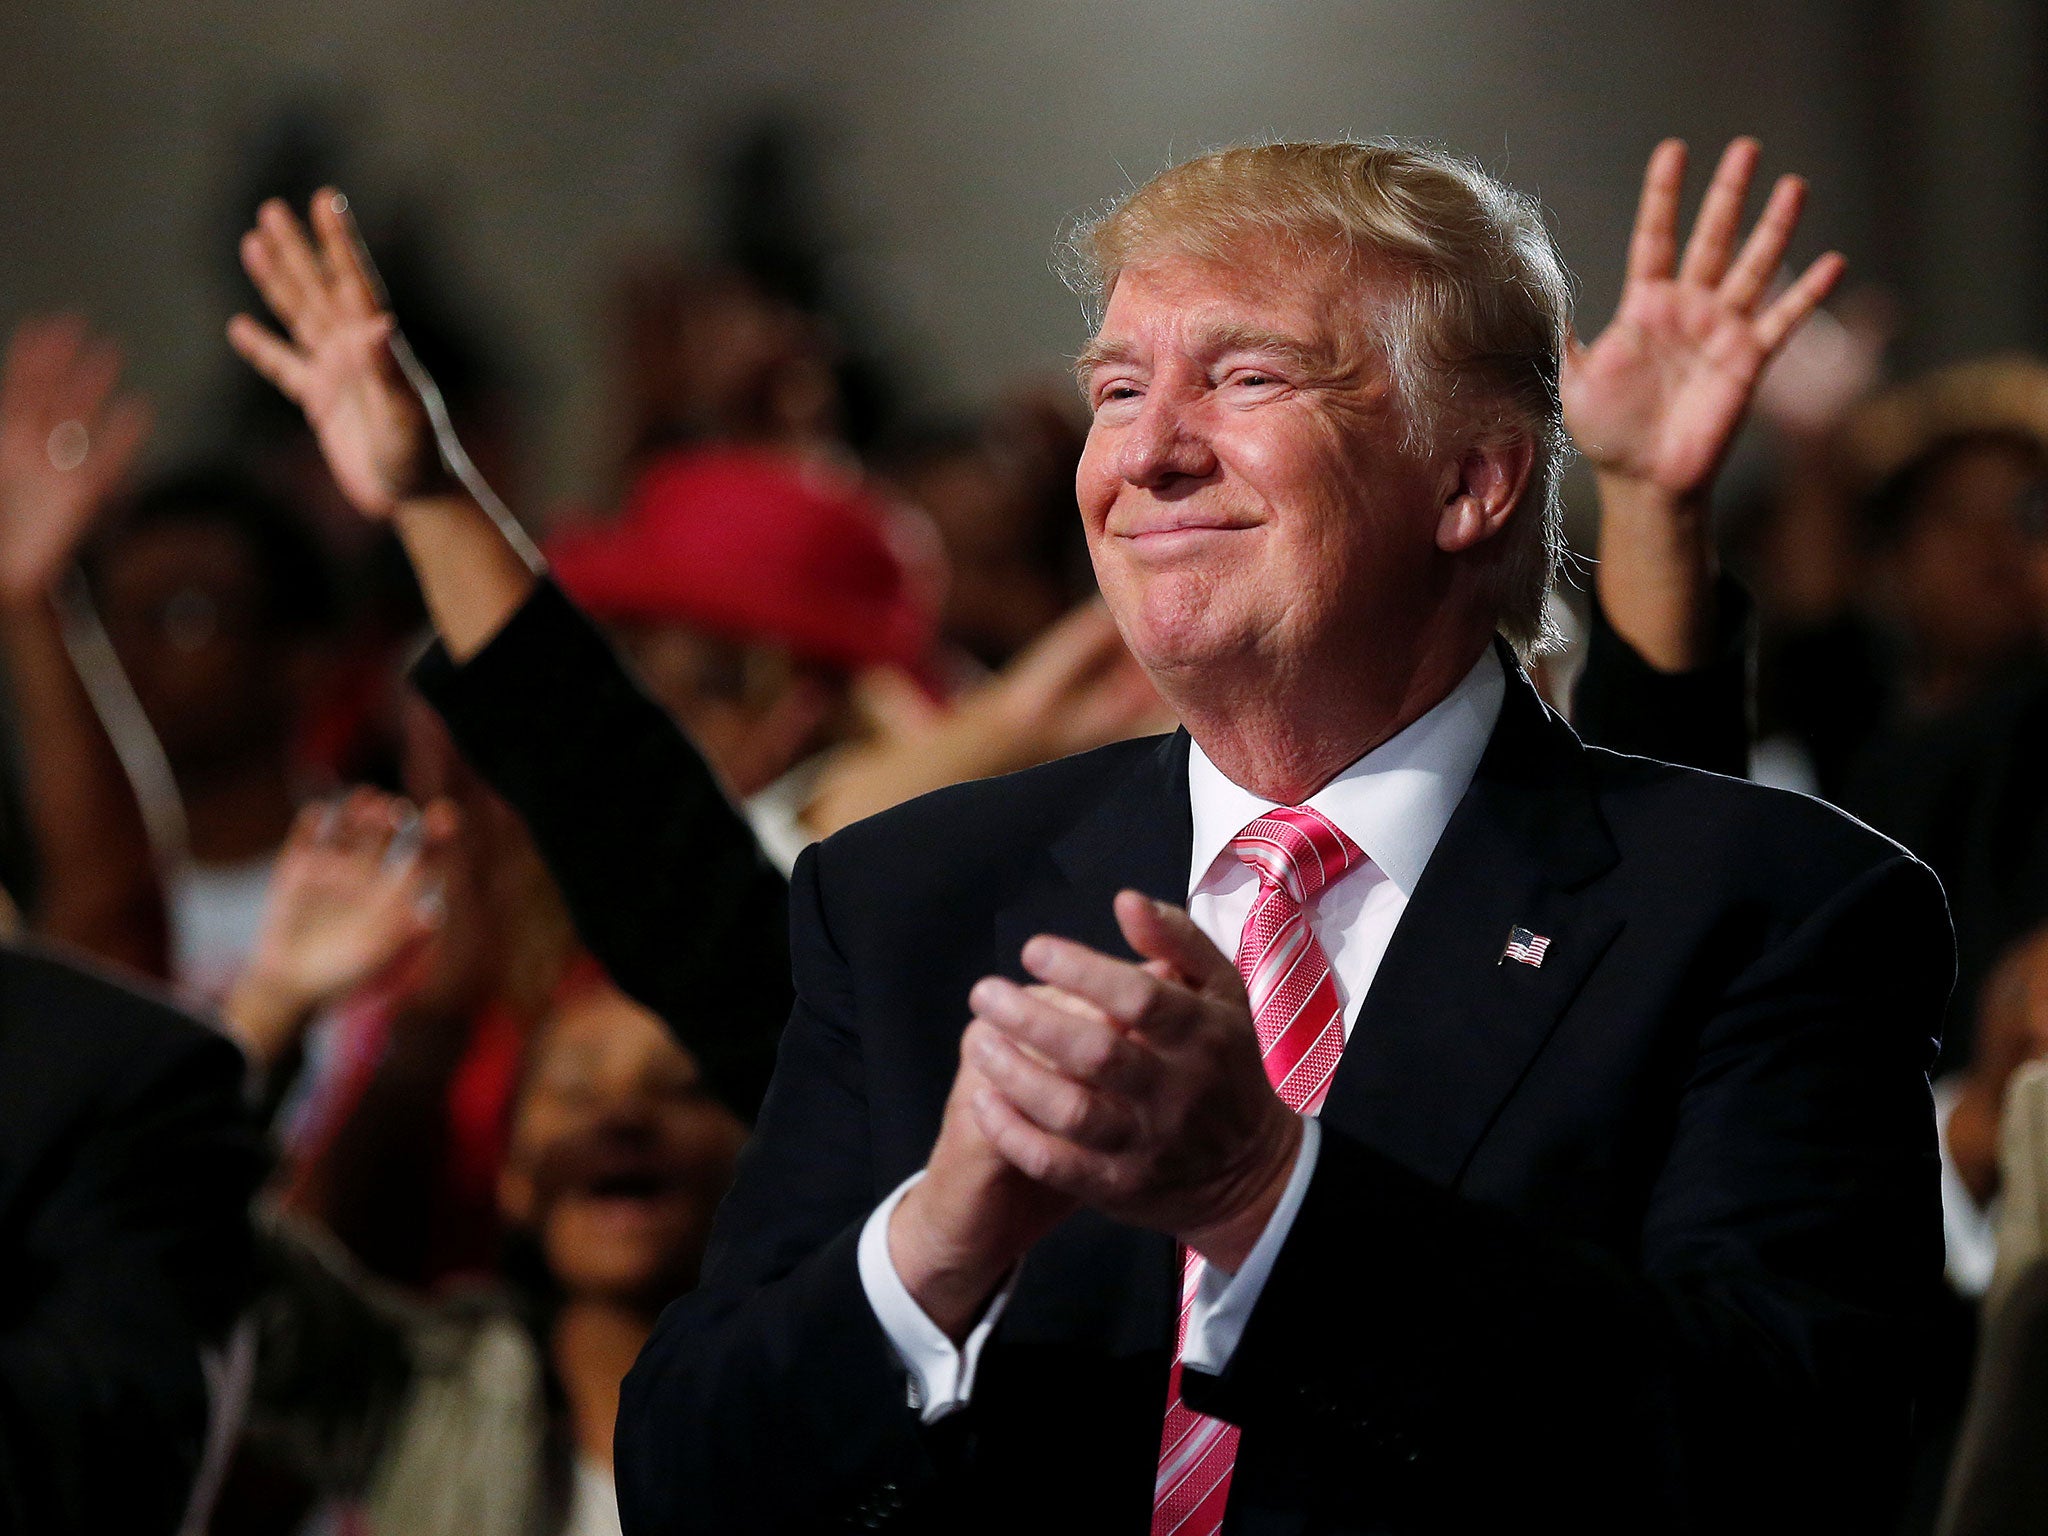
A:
1449,1027
1138,835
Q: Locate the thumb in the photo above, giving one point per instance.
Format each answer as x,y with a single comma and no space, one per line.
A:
1166,934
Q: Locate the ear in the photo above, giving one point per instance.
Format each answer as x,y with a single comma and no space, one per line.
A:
1486,486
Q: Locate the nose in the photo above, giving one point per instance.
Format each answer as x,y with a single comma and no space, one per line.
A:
1164,444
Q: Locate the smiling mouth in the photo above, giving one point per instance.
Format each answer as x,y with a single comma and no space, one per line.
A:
1168,530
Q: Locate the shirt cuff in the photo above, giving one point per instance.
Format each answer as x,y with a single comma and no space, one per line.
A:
1223,1302
941,1376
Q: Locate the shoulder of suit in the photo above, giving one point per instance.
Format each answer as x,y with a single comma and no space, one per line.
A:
61,1007
1654,805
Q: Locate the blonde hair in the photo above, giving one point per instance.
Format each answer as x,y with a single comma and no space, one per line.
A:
1476,304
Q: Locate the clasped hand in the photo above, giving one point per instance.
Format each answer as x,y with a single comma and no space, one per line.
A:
1134,1088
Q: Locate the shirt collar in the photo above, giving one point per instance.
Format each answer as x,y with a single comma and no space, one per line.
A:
1394,802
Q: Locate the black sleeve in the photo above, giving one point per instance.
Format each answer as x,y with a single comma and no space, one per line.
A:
1697,719
136,1258
770,1399
1750,1369
662,875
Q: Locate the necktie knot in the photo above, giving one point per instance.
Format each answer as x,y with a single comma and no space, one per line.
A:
1298,849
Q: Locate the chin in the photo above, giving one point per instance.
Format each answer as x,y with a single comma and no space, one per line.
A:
1179,636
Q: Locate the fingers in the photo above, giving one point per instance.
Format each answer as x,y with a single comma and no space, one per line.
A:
1158,998
281,263
1132,996
1653,247
80,389
1051,1100
1064,1031
56,371
1765,249
38,356
309,827
1162,932
270,355
295,266
341,249
365,823
1036,1153
1713,232
1797,302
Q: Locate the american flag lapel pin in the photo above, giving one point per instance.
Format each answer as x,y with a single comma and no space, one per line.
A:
1524,946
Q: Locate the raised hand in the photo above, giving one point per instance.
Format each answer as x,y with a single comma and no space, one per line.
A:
1657,397
336,364
357,888
67,440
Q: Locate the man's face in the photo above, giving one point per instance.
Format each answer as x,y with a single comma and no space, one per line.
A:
1244,491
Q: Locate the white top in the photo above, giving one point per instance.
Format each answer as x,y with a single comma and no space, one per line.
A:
216,911
593,1501
1969,1230
1394,802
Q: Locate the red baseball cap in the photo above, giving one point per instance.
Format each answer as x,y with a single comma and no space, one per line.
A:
753,544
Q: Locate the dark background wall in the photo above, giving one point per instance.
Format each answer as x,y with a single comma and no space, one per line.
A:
533,143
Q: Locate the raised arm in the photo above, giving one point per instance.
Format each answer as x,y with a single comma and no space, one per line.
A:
664,878
1655,400
67,440
336,363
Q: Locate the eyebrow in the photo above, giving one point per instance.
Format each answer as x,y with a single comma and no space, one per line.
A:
1222,341
1098,354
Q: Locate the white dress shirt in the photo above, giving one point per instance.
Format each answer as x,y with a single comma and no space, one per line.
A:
1394,802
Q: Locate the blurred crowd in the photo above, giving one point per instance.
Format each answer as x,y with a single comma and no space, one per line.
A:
491,1048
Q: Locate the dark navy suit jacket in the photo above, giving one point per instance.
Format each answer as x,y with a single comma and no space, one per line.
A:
1637,1239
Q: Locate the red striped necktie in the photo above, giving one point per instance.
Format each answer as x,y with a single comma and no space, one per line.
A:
1296,854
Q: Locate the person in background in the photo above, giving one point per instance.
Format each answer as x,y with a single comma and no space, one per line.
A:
1905,670
629,816
356,899
489,1408
764,606
1000,493
2012,1030
1929,720
126,1158
709,355
749,590
127,1161
1960,462
67,442
397,1139
217,601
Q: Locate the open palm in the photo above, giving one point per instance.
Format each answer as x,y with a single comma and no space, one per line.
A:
1657,397
67,440
335,361
352,893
